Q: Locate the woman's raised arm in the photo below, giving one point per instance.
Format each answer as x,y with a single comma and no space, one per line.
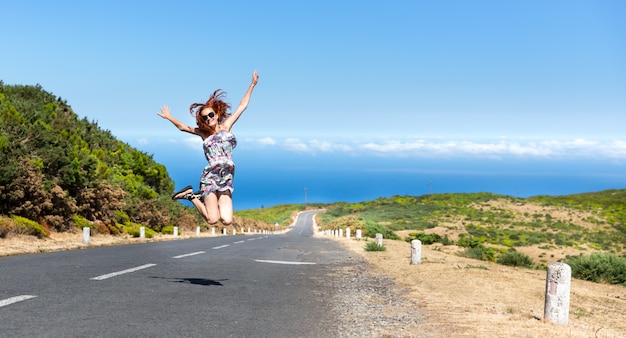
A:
228,123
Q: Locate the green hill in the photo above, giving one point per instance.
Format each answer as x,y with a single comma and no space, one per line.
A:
588,231
61,171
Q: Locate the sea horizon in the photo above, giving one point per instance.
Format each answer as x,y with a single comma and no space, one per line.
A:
265,181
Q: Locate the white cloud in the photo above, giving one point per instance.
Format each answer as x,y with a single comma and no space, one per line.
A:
296,145
577,148
267,141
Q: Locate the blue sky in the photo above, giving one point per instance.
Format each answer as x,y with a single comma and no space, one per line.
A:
370,79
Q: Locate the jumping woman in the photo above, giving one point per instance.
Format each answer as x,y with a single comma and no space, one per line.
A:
214,199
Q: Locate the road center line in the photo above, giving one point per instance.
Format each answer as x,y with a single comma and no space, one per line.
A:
113,274
221,246
190,254
284,262
238,242
9,301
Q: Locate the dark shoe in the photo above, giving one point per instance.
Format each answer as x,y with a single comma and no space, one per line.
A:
184,193
197,194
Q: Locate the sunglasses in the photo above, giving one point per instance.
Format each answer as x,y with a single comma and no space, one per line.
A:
207,116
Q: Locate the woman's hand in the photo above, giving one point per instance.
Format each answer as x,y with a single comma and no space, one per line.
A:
165,112
255,77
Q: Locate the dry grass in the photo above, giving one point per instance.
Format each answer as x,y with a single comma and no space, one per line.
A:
21,244
465,297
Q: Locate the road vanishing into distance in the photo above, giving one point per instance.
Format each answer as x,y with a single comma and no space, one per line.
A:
226,286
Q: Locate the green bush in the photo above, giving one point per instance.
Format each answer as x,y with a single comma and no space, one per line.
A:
82,222
480,252
426,239
168,229
373,246
515,258
371,229
25,226
133,230
121,217
468,242
598,267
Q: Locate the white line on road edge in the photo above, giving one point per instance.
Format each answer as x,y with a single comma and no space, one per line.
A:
190,254
16,299
239,242
113,274
284,262
221,246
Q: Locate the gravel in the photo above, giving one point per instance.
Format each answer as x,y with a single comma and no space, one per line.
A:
370,304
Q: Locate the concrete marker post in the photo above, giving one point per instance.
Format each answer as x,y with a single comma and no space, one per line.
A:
340,232
175,231
86,233
416,251
358,234
348,233
379,239
213,231
198,231
224,231
142,232
558,281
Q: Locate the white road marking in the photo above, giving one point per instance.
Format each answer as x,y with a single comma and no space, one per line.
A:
221,246
284,262
190,254
251,239
238,242
113,274
9,301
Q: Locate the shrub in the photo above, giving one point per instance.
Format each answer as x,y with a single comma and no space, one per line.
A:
371,229
515,258
82,222
133,230
480,252
26,226
426,239
373,246
469,242
599,267
7,227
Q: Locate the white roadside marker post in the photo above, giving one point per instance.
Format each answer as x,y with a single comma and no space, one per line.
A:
358,234
142,232
558,281
416,251
86,233
379,239
198,231
348,233
175,231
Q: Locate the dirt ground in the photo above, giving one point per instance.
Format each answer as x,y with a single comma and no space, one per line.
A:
462,297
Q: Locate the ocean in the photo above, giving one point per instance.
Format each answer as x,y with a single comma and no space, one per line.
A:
264,180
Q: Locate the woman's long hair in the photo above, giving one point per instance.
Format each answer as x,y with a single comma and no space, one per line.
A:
214,102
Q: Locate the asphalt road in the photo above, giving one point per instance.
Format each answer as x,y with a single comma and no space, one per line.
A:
226,286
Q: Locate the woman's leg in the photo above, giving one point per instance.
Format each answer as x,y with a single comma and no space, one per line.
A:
211,208
225,203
